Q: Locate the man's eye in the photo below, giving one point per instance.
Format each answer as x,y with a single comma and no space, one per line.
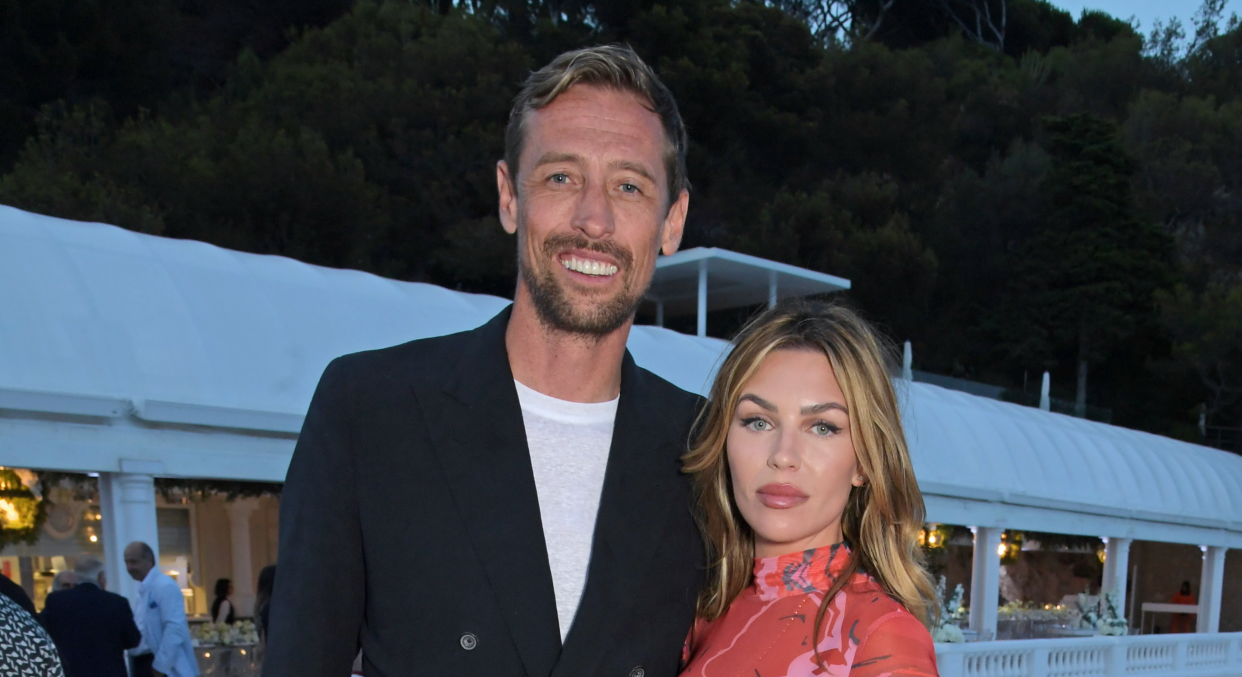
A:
559,178
629,188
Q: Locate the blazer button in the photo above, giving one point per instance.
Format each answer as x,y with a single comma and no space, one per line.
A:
638,672
469,641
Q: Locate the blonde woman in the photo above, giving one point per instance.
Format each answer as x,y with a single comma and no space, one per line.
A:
809,508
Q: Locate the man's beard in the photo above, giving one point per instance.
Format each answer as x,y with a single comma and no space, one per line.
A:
552,304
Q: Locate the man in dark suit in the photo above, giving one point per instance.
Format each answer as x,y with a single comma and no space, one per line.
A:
17,594
91,627
508,501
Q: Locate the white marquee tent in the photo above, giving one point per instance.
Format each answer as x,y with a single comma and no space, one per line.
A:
136,356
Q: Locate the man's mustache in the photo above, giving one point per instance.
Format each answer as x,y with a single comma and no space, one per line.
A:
559,243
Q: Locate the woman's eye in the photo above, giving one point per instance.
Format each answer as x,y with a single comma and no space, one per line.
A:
756,424
824,429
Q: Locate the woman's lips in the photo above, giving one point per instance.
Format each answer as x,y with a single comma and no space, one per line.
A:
781,496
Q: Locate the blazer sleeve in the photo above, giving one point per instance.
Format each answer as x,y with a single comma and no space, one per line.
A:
130,635
317,603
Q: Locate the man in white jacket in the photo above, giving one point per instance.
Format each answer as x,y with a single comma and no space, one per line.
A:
159,612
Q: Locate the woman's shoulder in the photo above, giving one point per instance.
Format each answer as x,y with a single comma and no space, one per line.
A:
889,639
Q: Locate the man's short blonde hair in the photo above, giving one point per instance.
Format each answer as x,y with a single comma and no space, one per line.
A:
614,66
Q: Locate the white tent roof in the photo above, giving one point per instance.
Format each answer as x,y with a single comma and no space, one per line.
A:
125,350
94,310
1101,480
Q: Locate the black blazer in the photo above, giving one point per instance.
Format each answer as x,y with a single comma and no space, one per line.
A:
410,527
92,628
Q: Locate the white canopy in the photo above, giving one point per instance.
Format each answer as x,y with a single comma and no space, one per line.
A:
122,351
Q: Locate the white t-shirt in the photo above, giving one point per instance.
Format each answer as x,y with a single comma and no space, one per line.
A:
569,443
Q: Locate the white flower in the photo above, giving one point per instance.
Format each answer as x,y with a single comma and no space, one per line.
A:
948,633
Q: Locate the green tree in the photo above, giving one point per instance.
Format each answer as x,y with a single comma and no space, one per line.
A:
1085,282
1206,328
1189,176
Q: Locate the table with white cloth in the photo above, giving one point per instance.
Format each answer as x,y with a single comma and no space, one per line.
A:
228,661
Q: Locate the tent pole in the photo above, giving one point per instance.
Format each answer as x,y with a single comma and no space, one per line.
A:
702,297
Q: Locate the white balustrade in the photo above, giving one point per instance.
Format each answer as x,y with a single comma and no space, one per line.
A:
1182,655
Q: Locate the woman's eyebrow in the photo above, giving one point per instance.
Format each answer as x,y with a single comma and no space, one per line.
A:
748,397
819,408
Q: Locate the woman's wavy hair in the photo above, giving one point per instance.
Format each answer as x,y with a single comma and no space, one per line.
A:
882,518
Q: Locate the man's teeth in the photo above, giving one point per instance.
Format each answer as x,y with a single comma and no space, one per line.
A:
588,267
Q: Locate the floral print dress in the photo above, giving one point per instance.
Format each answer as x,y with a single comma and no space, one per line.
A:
767,630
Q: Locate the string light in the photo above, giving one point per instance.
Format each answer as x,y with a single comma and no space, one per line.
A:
10,511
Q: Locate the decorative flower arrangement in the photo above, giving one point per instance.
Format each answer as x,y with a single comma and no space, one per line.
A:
1101,613
1088,610
951,611
240,633
1111,621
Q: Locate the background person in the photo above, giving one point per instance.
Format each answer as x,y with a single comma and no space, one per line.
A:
159,612
1183,622
262,601
802,441
25,648
222,606
91,627
64,580
17,594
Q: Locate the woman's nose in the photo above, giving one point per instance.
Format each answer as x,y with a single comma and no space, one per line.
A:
785,453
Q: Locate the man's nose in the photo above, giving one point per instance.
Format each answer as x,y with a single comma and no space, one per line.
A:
593,215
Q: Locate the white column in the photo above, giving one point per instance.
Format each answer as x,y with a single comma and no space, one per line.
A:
702,297
127,509
771,288
985,580
1211,585
1116,566
659,313
239,513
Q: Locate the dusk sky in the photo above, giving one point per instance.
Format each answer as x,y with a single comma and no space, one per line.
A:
1146,11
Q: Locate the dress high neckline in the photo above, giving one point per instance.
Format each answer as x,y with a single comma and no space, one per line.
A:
799,573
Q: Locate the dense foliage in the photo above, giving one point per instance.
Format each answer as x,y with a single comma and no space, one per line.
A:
1064,194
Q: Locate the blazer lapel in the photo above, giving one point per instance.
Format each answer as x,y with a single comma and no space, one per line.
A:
640,490
480,440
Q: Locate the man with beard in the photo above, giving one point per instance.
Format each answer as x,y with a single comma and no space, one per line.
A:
508,501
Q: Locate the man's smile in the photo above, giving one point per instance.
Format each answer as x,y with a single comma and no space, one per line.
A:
588,266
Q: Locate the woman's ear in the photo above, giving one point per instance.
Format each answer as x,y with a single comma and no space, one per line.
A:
859,480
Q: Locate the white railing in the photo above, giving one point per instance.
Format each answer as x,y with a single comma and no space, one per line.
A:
1190,655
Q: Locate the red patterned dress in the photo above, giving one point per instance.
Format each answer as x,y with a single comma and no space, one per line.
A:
767,630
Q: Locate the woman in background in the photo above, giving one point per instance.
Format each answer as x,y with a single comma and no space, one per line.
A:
222,607
809,507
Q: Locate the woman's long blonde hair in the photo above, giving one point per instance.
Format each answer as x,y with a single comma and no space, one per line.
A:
882,518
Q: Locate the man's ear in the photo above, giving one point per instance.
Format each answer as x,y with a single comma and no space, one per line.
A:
674,224
508,198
